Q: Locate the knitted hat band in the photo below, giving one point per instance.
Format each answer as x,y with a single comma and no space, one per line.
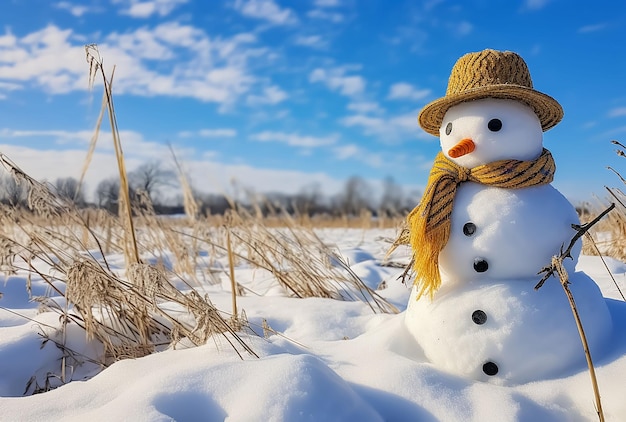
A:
490,74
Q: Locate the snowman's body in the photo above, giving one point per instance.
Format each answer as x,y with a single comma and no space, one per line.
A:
486,321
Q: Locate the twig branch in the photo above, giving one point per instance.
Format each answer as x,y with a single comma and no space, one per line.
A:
558,268
619,152
406,272
580,231
615,171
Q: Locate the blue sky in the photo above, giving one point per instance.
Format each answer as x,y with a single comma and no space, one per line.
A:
280,95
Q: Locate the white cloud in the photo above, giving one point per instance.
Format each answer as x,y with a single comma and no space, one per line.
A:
271,95
266,10
354,152
209,133
370,124
53,163
192,64
134,144
344,152
387,129
76,10
294,140
46,57
208,174
218,177
313,41
365,107
324,15
59,136
7,87
592,28
326,3
145,9
146,43
463,28
617,112
535,4
403,90
337,80
8,40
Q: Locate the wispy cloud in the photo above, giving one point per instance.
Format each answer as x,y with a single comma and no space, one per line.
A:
60,136
76,10
535,4
387,129
365,107
313,41
354,152
322,14
406,91
462,28
7,87
326,3
617,112
142,9
592,28
266,10
135,145
209,133
270,95
294,139
337,80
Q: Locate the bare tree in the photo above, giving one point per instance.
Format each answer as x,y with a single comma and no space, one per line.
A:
150,177
411,200
308,200
108,194
392,198
70,189
355,196
12,192
211,203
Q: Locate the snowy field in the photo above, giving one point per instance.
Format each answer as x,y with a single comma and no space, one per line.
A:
318,360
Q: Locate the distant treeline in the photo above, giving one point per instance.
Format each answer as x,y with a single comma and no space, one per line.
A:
149,182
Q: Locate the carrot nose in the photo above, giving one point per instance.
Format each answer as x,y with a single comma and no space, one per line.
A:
465,146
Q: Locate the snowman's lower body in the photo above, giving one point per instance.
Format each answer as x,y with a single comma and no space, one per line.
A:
507,332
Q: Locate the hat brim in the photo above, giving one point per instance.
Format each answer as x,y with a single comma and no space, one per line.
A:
547,109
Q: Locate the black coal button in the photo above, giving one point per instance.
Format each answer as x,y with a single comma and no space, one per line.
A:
469,229
490,369
480,265
479,317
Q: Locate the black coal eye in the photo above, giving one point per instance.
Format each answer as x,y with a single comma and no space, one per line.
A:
449,128
494,125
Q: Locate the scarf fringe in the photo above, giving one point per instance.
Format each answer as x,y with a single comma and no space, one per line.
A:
425,245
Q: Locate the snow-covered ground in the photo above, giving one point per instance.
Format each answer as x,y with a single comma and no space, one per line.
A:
328,360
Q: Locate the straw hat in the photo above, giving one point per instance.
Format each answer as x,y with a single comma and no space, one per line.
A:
490,74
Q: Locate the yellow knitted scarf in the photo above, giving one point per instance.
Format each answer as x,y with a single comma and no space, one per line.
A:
429,222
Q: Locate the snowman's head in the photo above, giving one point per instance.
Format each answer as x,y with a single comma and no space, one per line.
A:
490,129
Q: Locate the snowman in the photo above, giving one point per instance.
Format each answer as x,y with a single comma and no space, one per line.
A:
488,222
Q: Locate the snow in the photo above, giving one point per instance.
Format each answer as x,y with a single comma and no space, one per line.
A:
328,360
517,231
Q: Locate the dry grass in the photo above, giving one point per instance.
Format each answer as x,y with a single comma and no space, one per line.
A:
608,237
128,312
